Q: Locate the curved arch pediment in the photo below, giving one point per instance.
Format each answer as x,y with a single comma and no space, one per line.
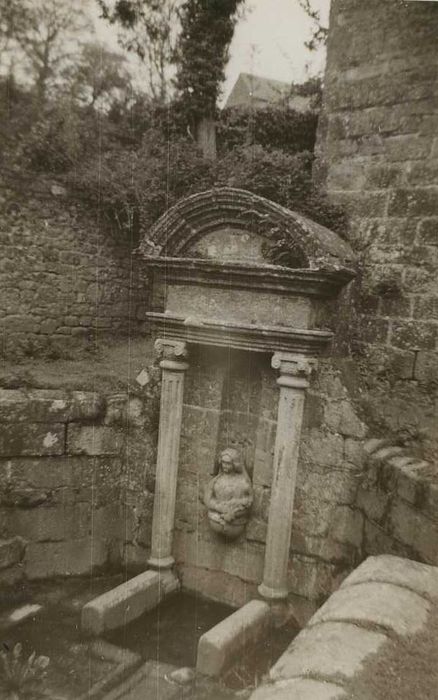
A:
250,225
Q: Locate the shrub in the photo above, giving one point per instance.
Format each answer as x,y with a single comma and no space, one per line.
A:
281,128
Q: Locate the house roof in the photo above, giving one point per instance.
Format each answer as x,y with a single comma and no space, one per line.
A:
255,90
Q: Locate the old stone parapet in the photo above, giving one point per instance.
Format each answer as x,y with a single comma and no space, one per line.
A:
63,480
385,598
398,498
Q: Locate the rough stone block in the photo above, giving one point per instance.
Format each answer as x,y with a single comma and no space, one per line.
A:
218,647
385,605
328,651
311,516
300,689
73,558
378,540
217,585
313,579
323,548
413,334
414,202
334,486
94,440
426,368
11,552
322,448
372,503
38,439
420,578
53,523
340,417
206,551
411,527
354,455
347,526
49,406
122,604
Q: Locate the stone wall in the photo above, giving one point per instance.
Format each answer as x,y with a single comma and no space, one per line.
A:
378,157
66,277
398,499
73,476
231,399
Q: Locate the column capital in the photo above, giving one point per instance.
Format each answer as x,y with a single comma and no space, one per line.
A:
294,370
173,353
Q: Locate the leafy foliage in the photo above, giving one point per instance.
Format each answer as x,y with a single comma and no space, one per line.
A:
273,127
22,678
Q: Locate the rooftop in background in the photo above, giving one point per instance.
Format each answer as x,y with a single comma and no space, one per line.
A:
258,92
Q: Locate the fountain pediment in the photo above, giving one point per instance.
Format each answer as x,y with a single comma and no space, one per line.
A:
232,268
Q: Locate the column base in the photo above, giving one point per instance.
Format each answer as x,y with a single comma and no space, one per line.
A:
269,593
164,563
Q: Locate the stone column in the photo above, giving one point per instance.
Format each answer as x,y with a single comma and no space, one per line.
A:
293,381
173,366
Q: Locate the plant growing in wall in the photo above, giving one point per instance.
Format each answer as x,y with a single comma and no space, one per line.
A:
22,678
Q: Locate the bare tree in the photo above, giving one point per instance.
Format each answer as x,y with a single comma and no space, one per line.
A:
98,75
150,28
319,33
44,36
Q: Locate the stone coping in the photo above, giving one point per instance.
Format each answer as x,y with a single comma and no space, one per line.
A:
241,337
385,597
193,217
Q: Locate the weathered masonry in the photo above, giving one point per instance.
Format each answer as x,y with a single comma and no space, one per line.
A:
378,157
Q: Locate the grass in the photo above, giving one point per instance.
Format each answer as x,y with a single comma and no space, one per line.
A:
112,368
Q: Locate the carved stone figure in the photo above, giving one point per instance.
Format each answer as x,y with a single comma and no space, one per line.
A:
229,496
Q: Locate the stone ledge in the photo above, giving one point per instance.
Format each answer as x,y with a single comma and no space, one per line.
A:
127,602
328,651
49,406
219,646
371,604
419,578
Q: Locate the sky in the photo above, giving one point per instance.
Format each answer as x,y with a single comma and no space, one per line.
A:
268,41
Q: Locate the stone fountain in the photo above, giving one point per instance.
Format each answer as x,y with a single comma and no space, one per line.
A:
242,290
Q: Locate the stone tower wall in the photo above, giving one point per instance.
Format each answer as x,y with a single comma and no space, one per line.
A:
378,157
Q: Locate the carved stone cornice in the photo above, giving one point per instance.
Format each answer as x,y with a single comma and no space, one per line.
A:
241,337
240,275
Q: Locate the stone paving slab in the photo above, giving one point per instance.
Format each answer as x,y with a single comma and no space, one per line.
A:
327,651
420,578
382,604
299,689
150,682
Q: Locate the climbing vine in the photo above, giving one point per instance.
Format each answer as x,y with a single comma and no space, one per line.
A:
207,28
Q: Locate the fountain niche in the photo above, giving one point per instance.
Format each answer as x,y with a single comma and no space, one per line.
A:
241,292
